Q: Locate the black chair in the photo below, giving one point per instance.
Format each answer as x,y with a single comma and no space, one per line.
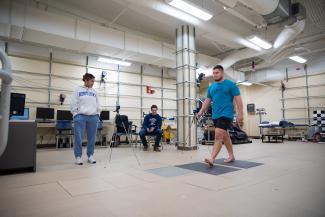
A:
124,127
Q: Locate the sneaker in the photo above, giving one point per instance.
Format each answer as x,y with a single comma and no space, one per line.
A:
79,161
145,148
91,160
156,149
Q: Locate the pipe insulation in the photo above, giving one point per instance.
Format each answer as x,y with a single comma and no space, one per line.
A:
6,77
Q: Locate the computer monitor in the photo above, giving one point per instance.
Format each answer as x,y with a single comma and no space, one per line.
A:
17,104
44,113
23,117
64,115
104,115
251,107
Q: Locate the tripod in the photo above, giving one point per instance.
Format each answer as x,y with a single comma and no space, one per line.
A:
113,142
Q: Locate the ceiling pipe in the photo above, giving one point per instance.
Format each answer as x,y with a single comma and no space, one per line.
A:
276,74
229,7
5,75
262,7
288,33
242,17
285,36
168,14
309,48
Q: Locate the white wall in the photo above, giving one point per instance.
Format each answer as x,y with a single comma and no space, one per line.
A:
269,97
31,76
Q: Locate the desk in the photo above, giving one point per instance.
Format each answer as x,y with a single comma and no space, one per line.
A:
275,138
20,154
46,125
46,132
295,131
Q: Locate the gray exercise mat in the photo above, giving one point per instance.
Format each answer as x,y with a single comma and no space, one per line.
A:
238,163
169,171
204,168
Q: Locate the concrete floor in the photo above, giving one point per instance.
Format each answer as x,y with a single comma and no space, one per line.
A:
290,183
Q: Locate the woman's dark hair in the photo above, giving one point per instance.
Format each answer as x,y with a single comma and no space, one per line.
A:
87,77
154,106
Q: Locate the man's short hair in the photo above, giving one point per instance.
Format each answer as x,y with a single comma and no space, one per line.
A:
154,106
218,67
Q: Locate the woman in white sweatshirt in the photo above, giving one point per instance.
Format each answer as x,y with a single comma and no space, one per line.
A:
85,109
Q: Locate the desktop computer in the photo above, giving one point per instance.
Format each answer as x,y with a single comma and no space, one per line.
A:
104,116
25,116
45,115
64,115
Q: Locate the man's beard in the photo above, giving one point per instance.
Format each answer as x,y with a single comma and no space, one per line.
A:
218,79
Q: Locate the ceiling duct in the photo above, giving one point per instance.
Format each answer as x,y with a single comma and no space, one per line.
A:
281,13
288,33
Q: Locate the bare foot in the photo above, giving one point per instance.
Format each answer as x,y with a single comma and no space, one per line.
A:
230,159
208,161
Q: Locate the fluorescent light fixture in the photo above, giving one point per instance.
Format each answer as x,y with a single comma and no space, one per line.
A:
191,9
245,83
260,42
112,61
298,59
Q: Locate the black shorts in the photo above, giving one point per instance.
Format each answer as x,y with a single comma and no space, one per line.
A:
222,123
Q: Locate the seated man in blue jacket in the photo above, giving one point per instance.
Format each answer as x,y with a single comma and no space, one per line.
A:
151,126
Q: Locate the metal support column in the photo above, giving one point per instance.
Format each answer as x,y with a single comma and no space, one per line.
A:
177,63
118,85
6,80
186,87
87,63
6,48
162,92
50,80
307,94
282,99
141,96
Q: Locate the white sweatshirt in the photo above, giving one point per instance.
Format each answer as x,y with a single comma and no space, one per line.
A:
85,101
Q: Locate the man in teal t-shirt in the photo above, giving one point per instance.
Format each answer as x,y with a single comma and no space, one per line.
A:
222,93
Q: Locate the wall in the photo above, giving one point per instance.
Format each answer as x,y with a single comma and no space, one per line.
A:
31,67
269,96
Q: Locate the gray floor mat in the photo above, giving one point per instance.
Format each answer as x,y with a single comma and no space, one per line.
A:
238,163
204,168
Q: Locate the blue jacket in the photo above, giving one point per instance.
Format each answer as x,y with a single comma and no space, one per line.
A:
154,121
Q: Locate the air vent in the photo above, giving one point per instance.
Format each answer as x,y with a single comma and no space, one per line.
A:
281,13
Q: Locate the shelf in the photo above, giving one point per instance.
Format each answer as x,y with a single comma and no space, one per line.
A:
305,108
293,98
317,97
293,109
298,118
309,86
303,97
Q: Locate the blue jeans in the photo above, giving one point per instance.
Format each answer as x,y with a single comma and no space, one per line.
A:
157,132
84,123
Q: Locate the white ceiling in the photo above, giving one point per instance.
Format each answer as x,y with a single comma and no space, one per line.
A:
110,9
127,17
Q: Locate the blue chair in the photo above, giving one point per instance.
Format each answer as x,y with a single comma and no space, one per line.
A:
64,131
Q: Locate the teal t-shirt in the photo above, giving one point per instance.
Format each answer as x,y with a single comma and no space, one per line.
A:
222,96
